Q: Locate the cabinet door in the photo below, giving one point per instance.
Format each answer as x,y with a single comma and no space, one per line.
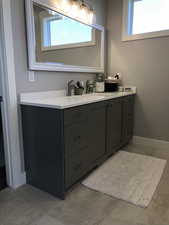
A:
97,131
114,125
128,118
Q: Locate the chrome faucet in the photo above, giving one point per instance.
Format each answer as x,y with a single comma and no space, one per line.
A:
70,88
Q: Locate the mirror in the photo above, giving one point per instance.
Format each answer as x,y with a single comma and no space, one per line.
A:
59,43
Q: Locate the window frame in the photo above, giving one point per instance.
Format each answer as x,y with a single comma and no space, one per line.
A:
44,26
128,23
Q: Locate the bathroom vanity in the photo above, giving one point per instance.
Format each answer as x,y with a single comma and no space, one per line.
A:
64,141
67,137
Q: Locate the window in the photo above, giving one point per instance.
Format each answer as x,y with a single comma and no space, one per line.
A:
145,19
60,32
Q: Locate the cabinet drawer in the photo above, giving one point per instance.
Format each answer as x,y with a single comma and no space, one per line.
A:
75,138
76,167
75,115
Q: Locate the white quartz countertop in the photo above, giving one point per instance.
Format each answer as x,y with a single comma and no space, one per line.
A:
58,99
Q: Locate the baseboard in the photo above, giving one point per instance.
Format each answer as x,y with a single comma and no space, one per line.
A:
150,142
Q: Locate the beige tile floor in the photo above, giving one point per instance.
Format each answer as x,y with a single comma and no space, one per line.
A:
29,206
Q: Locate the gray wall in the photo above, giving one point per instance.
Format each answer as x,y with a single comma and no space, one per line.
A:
145,64
45,80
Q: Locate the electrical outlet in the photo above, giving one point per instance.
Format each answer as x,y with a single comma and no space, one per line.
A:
31,76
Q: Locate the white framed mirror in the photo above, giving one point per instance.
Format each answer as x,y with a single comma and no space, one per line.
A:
59,43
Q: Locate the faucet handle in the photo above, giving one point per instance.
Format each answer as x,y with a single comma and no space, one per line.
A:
70,87
70,82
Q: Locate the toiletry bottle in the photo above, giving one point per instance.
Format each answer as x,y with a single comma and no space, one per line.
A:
100,83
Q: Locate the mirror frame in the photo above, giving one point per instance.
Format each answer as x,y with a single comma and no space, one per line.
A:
47,66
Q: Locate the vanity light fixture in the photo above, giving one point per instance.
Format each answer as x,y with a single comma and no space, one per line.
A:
77,9
66,5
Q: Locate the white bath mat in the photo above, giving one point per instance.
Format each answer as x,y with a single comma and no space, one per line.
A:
128,176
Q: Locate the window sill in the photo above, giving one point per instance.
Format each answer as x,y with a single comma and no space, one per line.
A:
69,46
157,34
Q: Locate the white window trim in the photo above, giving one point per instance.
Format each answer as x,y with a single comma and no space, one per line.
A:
66,46
127,25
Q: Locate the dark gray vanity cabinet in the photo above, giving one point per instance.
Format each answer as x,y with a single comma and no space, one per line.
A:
127,119
84,144
44,149
63,145
114,125
97,131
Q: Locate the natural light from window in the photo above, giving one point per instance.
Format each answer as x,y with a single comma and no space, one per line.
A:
150,16
66,31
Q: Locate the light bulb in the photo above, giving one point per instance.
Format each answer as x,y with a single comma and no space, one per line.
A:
58,4
83,12
75,9
91,16
65,6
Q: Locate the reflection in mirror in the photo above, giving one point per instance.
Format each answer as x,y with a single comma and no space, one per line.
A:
65,41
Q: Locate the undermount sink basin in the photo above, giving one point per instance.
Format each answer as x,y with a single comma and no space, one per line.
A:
83,97
104,94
